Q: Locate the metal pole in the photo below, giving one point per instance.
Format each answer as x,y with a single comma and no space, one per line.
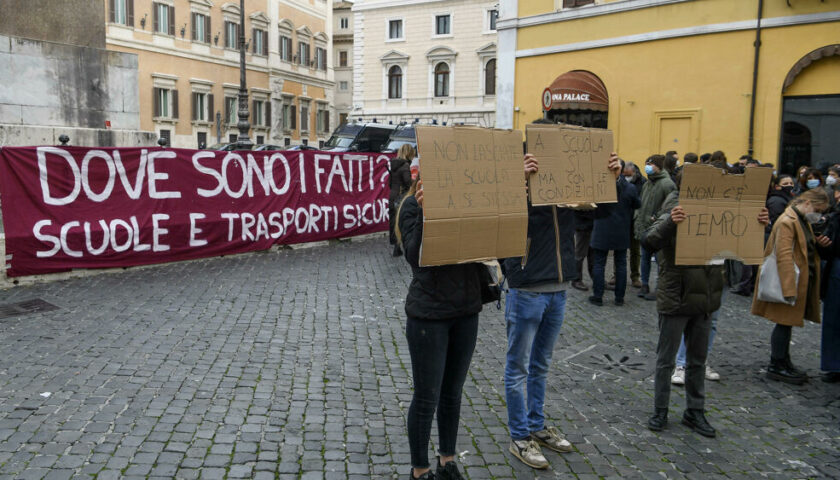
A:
243,142
757,44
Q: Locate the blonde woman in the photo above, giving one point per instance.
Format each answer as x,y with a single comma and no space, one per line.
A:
795,244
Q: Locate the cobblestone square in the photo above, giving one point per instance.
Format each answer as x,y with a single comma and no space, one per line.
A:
292,364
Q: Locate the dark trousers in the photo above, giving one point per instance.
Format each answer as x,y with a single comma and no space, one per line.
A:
582,251
441,351
780,342
696,329
392,221
830,351
635,258
746,282
599,266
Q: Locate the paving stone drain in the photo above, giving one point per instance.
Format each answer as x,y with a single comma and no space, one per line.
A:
25,307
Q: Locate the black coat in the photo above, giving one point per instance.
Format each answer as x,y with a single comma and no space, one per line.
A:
549,251
400,169
776,204
613,220
436,293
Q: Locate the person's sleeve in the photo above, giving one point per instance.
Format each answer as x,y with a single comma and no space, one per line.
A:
405,176
411,230
663,231
785,234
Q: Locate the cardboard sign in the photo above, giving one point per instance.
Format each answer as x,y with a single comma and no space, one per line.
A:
722,215
572,165
475,206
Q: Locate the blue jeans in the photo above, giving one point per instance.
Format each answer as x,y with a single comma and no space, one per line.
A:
533,324
646,256
599,258
712,333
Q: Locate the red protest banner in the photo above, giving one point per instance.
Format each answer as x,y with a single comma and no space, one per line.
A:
74,207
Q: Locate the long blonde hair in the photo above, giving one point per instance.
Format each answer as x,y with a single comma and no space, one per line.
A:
410,193
407,152
817,197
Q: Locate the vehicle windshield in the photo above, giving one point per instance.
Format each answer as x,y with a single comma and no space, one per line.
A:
339,141
396,143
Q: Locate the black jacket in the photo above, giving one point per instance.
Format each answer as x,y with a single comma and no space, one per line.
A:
400,180
682,290
436,293
832,252
613,220
549,251
776,204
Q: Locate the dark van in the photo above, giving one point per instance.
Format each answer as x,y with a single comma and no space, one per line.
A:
403,135
359,137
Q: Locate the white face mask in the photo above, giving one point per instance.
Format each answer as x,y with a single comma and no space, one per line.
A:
629,178
829,180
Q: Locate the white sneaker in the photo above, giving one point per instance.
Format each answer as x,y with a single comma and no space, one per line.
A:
711,374
550,438
529,452
679,376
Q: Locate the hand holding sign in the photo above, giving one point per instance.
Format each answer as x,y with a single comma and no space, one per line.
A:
678,215
418,194
531,165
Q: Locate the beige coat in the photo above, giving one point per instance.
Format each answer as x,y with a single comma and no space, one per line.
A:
789,240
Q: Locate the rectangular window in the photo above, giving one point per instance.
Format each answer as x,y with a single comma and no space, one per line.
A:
576,3
202,107
258,115
395,29
165,103
492,17
232,138
231,35
345,22
164,134
260,139
230,110
342,58
259,41
202,139
164,19
287,117
122,11
200,28
323,121
343,86
287,142
443,25
304,118
285,48
303,53
321,58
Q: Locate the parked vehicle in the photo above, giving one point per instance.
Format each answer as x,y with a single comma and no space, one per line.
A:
402,135
359,137
222,147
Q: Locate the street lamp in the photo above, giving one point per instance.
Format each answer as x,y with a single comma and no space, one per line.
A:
243,142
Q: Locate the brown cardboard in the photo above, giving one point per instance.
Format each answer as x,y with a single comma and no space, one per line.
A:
475,205
722,211
572,165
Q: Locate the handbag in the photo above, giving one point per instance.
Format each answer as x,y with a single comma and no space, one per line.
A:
491,283
769,283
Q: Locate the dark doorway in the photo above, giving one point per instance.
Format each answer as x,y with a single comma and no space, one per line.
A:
809,132
202,140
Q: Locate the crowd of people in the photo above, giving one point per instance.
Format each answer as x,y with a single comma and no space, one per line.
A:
802,238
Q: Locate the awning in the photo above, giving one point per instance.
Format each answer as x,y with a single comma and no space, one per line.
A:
576,90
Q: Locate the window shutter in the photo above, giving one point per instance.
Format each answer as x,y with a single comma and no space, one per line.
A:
265,43
253,40
268,113
211,110
207,29
254,112
327,121
174,103
112,14
294,117
129,6
227,111
193,26
155,20
194,106
172,20
156,101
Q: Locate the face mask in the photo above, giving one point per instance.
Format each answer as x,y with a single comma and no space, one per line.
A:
649,169
813,217
788,189
774,173
830,180
629,178
813,183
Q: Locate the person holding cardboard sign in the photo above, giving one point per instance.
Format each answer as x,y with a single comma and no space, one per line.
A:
442,309
685,299
534,309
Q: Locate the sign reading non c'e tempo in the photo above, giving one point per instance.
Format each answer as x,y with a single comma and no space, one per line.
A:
722,215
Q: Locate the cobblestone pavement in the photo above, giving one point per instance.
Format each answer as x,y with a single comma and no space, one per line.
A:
293,364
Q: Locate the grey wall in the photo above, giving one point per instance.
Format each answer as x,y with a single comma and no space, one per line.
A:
74,22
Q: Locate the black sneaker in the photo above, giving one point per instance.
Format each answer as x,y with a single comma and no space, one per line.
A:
619,302
596,301
659,420
430,475
448,472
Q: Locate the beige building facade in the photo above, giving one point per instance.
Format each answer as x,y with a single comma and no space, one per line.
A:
188,59
425,60
343,58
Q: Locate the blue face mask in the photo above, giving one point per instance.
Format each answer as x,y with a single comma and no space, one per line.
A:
649,169
813,183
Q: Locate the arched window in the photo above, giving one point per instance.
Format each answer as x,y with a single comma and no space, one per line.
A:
490,77
442,80
395,82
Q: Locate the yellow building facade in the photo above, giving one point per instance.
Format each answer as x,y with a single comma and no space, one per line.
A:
679,74
188,59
